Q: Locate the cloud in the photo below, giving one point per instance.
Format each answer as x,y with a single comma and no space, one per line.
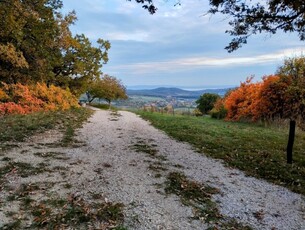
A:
177,41
191,63
140,36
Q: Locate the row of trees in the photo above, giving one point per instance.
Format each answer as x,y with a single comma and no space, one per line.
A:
279,96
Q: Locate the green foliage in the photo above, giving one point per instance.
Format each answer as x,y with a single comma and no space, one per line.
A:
240,145
83,62
197,113
218,114
148,5
206,102
108,88
219,111
292,73
36,45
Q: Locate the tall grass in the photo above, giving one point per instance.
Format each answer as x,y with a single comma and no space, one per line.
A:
258,150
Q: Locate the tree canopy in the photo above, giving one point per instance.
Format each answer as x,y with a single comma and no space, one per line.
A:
36,45
206,102
108,88
251,17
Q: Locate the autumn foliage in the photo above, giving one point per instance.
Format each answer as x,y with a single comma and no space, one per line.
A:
242,102
24,99
265,100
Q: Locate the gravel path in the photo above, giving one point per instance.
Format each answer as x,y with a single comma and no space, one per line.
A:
110,164
109,138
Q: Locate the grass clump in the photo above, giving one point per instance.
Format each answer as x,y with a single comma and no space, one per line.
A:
199,197
52,155
195,195
75,212
22,169
142,147
71,212
258,150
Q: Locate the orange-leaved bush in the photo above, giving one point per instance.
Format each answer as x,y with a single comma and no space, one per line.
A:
23,99
266,100
242,102
273,97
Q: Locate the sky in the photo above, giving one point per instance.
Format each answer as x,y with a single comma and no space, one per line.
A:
179,46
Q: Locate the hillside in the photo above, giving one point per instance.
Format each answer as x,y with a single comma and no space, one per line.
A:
174,92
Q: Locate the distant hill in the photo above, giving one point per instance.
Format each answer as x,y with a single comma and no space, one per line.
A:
175,92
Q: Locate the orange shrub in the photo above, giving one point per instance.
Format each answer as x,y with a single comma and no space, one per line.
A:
272,97
23,99
242,102
12,108
266,100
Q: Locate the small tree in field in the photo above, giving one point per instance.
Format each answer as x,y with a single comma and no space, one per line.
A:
293,72
206,102
108,88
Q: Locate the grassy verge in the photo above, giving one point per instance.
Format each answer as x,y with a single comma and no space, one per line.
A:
19,127
104,107
257,150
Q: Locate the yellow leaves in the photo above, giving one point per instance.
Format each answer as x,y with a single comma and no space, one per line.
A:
9,54
108,88
3,96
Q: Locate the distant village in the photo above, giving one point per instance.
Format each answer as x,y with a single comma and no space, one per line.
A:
161,104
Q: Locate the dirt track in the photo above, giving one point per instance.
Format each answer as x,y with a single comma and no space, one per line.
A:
111,161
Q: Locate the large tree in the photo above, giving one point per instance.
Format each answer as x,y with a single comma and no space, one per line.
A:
36,45
81,63
27,33
248,17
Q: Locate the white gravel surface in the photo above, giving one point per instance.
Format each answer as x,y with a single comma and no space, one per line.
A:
110,165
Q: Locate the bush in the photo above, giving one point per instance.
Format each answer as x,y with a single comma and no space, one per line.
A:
197,113
219,111
24,99
206,102
218,114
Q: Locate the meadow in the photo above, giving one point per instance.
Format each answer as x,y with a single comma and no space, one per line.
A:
257,149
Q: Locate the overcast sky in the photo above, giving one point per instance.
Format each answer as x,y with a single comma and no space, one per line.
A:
178,46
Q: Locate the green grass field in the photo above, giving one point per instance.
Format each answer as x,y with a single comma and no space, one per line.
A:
257,150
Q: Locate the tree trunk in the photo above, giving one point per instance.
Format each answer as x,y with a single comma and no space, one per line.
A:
290,141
